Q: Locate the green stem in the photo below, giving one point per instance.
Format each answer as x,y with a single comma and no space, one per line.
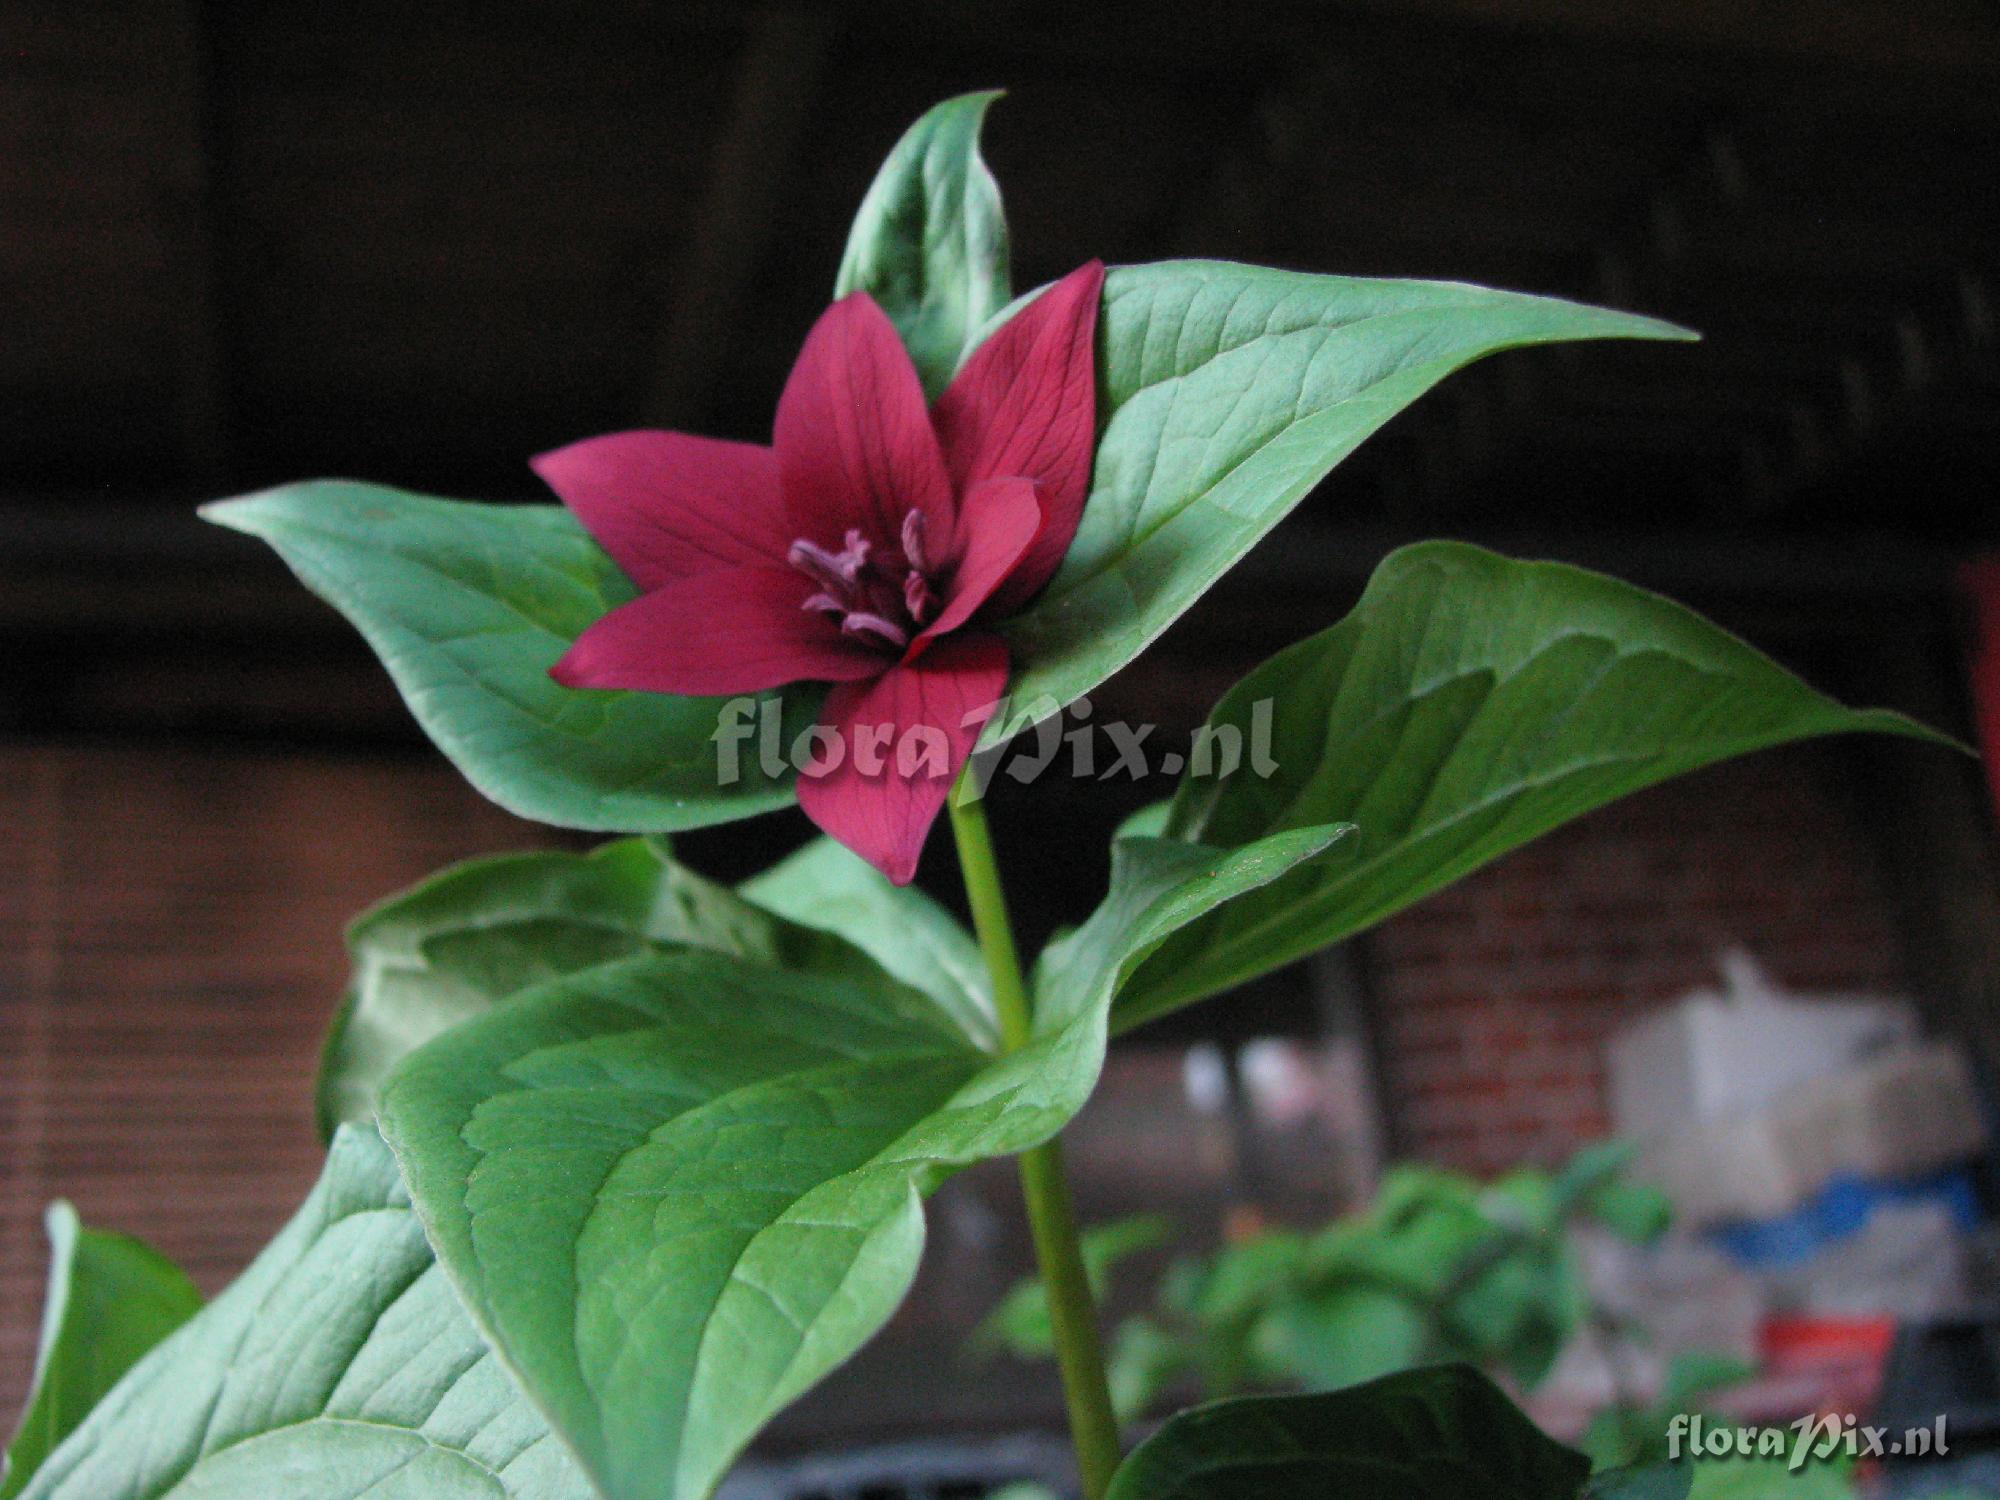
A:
1051,1215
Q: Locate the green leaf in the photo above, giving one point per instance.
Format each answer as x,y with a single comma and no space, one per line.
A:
1157,885
1240,1280
1697,1373
1591,1166
1020,1324
338,1365
457,944
1342,1337
469,606
676,1190
1634,1211
913,938
1445,1433
110,1299
1466,706
1520,1313
1227,393
1142,1365
930,241
1770,1476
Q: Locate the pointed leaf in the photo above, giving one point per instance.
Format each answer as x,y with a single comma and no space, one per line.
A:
930,241
1466,706
110,1299
1227,393
469,606
677,1190
1446,1433
462,941
339,1365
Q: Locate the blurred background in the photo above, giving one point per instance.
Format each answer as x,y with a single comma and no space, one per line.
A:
245,243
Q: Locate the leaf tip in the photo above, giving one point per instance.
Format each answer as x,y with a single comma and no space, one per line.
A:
249,514
226,512
1642,326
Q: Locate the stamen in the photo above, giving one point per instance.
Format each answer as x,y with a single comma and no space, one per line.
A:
916,526
859,591
819,563
859,622
837,570
854,557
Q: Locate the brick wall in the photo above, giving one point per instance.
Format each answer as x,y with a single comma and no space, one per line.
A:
1496,996
169,958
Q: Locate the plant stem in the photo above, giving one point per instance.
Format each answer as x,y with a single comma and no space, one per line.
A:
1051,1215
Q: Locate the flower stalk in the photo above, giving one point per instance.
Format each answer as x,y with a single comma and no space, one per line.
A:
1051,1215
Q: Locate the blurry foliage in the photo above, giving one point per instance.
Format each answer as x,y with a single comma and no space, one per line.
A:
1631,1432
1441,1268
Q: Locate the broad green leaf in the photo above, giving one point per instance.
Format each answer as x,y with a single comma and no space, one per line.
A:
831,888
1227,393
1468,704
930,241
110,1298
338,1366
469,606
675,1190
1445,1433
457,944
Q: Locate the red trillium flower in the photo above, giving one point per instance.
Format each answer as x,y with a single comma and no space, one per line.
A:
872,546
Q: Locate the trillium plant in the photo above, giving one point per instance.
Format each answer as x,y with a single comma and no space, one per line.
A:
623,1160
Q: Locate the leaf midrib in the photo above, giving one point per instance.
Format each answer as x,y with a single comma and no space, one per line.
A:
1141,536
1249,935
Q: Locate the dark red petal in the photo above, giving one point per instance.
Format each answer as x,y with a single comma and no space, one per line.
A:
855,444
998,521
1026,404
739,630
943,699
668,505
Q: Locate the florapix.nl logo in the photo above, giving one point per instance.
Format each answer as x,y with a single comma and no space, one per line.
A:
1062,741
1820,1438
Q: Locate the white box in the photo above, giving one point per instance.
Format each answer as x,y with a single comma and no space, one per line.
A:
1905,1114
1716,1054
